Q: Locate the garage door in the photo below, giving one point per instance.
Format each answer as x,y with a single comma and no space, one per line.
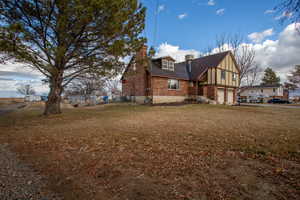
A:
230,97
220,96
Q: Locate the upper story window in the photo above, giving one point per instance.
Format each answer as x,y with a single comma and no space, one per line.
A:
165,64
274,90
234,76
262,91
223,74
171,65
173,84
134,66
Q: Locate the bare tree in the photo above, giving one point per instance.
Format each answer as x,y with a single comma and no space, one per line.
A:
253,75
26,90
114,87
289,10
243,53
245,59
293,79
86,85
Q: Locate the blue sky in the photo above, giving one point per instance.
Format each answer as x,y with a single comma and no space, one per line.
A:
201,23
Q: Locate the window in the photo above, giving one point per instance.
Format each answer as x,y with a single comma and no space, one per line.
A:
171,65
262,91
223,74
274,90
234,76
164,64
191,84
173,84
134,66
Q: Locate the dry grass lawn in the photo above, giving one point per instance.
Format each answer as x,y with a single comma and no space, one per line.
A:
191,152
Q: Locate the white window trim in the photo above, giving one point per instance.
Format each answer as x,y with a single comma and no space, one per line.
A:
223,78
134,66
174,80
234,76
171,65
165,64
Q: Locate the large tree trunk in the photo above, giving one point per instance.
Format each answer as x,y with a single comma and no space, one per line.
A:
54,97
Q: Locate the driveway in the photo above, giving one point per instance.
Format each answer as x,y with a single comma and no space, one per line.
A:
11,108
271,105
19,181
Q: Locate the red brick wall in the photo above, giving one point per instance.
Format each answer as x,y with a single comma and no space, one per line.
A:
211,92
135,83
285,94
160,87
234,95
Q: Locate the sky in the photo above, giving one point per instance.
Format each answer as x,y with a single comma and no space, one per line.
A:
180,27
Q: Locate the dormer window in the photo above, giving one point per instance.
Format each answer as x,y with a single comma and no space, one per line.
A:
171,65
165,64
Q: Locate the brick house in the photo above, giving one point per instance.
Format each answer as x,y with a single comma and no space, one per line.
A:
161,80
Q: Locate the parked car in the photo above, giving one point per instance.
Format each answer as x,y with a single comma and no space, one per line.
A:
256,101
278,101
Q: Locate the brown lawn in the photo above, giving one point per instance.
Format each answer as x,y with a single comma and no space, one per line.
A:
191,152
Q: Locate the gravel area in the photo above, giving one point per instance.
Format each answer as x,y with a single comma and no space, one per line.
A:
20,182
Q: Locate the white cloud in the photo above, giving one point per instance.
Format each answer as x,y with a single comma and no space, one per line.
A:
12,85
269,11
175,52
14,74
282,54
211,3
260,36
220,12
161,8
182,16
285,14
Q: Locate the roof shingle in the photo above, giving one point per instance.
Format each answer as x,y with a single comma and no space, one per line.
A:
199,66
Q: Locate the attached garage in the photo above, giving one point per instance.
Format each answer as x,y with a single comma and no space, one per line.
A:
230,96
221,95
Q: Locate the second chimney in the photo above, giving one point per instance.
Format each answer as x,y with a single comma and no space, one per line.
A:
188,60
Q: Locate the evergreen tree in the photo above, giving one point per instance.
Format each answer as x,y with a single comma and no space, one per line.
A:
151,52
270,77
64,39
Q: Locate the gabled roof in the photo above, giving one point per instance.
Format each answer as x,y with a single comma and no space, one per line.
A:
199,67
165,57
180,71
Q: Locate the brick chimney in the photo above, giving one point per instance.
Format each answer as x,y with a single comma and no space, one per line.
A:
142,53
